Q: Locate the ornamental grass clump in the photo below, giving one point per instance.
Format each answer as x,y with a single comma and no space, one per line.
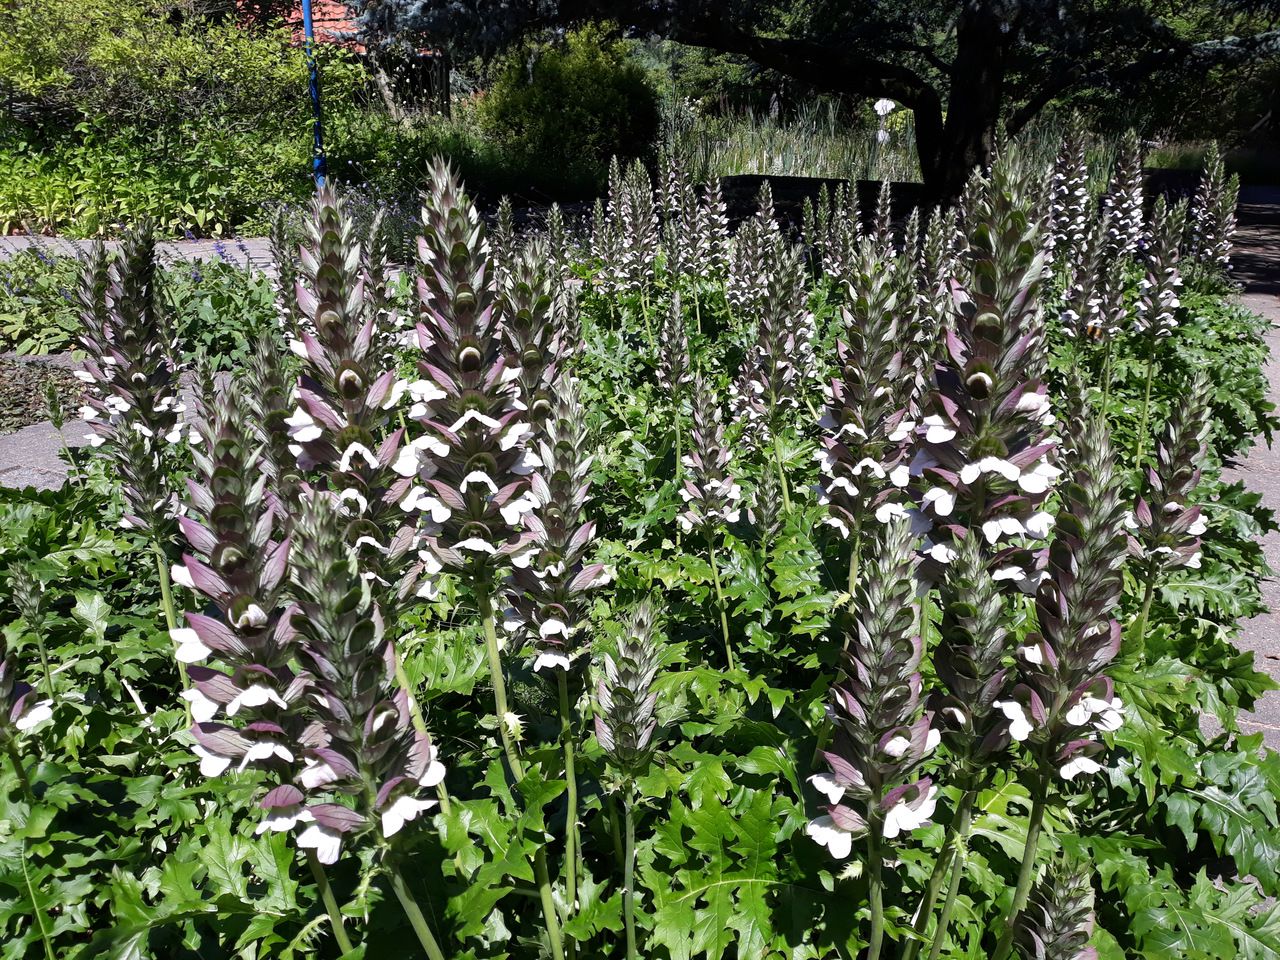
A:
882,733
626,726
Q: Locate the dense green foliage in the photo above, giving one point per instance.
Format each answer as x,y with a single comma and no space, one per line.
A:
563,112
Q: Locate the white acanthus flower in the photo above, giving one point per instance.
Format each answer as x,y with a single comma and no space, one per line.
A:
403,809
825,831
1077,765
34,715
255,695
325,842
551,660
191,649
303,427
826,785
1020,726
938,430
903,818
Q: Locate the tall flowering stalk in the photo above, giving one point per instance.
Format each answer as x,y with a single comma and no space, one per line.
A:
984,460
467,472
529,325
1123,201
20,713
755,245
269,384
771,380
882,733
867,424
1068,216
1212,218
365,763
1157,308
1064,697
626,725
131,396
1165,530
712,496
550,595
247,699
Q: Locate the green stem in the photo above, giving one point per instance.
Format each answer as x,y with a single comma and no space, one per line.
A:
35,907
571,824
330,903
697,311
959,826
648,327
628,879
170,616
615,831
28,794
1139,633
1106,377
414,913
1146,404
724,616
782,473
875,893
959,859
679,454
485,604
1025,872
44,661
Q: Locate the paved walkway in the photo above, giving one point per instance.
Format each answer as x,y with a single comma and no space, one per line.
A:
256,251
1256,263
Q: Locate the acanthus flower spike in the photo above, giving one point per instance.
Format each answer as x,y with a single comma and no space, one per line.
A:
1058,922
882,733
984,460
1123,203
711,495
531,328
549,596
466,472
132,402
246,698
342,425
363,747
1212,219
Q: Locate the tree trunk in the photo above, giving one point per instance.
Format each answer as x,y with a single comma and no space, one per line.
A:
967,138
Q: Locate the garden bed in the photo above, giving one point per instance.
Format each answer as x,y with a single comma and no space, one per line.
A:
24,382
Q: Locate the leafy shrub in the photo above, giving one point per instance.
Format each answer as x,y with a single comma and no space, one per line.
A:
38,312
563,112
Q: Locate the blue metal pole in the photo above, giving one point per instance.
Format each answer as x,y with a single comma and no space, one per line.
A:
318,167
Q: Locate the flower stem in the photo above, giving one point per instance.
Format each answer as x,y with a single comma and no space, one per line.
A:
1148,594
1146,403
615,831
1106,377
170,616
724,616
782,473
44,660
485,604
419,723
414,913
875,893
330,903
27,793
35,907
958,826
628,877
679,454
1025,872
571,822
697,311
959,858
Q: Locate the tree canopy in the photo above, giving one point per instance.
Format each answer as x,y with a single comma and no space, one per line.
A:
966,68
